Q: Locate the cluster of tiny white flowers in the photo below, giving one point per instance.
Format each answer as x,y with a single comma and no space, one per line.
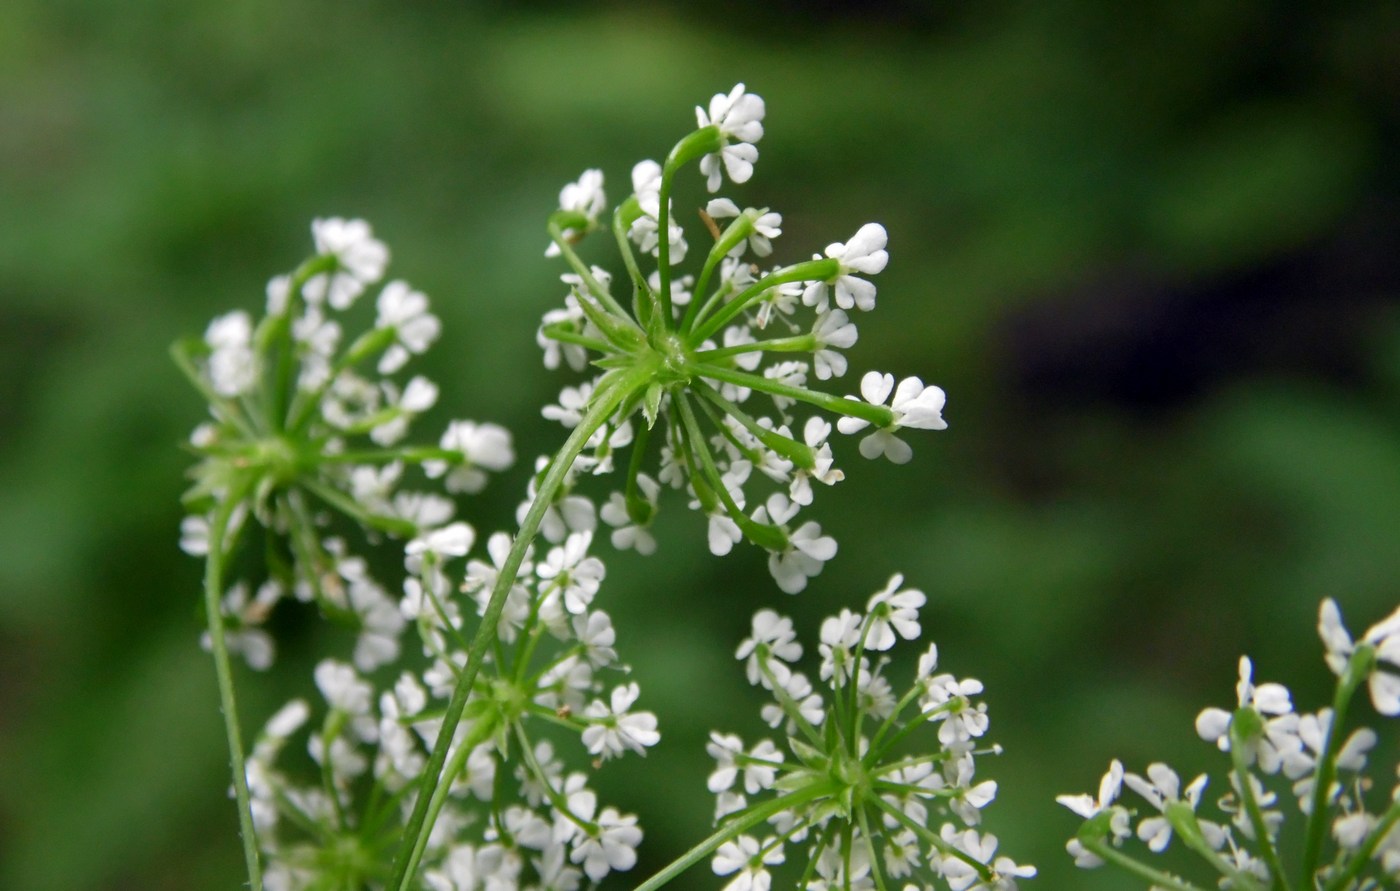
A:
292,408
1278,754
733,357
848,798
515,817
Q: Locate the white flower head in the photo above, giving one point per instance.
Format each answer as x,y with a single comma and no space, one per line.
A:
914,405
739,118
360,260
1384,637
584,197
865,254
415,328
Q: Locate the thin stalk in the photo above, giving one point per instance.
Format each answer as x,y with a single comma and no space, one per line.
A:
810,270
800,343
733,829
599,292
1256,816
213,609
1154,877
479,733
1362,858
610,394
878,415
1327,762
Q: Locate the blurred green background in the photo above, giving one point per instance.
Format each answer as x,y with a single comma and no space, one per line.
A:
1152,251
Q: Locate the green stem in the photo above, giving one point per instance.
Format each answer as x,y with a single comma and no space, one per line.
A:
874,854
639,282
733,829
1256,816
1362,658
984,871
213,608
878,415
225,410
800,343
610,393
810,270
596,288
479,733
1154,877
1363,855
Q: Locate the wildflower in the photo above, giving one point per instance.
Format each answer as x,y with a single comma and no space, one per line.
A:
737,116
914,406
846,764
358,259
405,312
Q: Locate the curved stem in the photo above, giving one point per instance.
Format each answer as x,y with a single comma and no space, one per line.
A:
213,588
610,393
810,270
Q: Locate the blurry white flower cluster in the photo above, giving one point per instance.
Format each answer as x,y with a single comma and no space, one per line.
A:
1286,766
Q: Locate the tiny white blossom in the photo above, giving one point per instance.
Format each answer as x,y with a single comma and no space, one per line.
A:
360,260
614,728
864,253
914,405
739,117
585,197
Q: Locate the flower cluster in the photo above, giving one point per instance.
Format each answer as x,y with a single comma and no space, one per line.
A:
508,813
720,360
308,423
1278,755
848,799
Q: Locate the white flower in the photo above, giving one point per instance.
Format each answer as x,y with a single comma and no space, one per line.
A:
739,116
814,434
807,550
596,635
575,574
1162,787
914,405
839,634
585,197
233,367
1384,636
483,446
832,329
420,395
773,635
343,689
893,612
614,729
1109,788
406,311
646,183
864,253
627,534
453,540
613,848
381,623
766,225
1279,739
746,856
360,260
